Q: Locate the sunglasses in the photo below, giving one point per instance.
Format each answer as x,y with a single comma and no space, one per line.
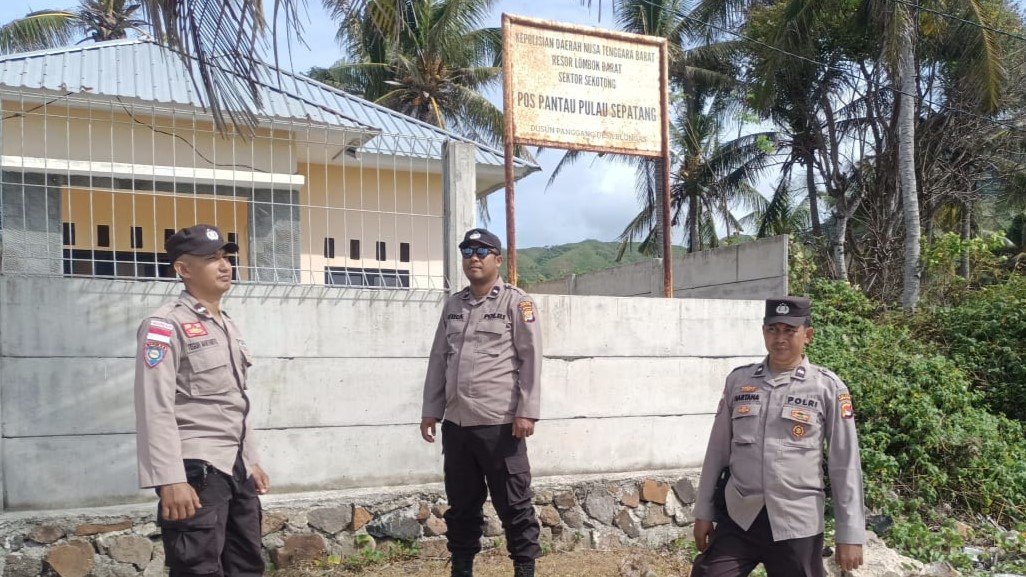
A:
480,251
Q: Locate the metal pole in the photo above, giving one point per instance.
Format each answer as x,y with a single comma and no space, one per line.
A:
664,105
507,110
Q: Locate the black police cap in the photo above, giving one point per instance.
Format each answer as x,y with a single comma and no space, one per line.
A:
794,311
200,240
481,237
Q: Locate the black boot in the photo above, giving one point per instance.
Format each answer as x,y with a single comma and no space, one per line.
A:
523,569
463,566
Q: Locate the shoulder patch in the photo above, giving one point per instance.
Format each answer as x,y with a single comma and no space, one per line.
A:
159,331
154,353
526,311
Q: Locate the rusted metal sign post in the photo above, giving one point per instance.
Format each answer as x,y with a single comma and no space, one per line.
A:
581,88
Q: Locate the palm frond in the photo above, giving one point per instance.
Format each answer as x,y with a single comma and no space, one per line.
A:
40,30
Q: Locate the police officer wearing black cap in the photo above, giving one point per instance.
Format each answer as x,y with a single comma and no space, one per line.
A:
768,436
483,383
195,444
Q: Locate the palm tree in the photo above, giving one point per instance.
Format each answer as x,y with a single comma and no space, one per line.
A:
708,178
433,68
96,20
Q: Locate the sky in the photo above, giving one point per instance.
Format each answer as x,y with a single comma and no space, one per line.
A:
593,199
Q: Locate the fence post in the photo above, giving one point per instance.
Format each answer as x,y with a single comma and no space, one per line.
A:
458,192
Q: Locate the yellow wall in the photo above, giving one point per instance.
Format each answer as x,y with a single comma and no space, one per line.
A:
371,205
121,210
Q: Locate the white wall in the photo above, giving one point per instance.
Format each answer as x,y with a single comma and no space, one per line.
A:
628,384
751,270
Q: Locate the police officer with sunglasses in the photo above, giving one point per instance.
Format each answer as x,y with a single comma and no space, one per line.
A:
483,384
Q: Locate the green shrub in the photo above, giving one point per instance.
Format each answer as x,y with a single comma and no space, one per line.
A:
928,442
985,334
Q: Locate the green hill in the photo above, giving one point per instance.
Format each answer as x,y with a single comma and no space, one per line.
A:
554,262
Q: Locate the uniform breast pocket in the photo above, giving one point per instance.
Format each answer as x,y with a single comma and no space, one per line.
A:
491,338
211,372
454,336
803,428
744,423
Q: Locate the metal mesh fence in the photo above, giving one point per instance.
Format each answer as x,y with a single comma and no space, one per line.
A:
92,187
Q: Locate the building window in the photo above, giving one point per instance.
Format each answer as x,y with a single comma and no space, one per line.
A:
69,233
380,251
375,278
354,249
233,238
168,233
103,235
136,236
404,252
329,247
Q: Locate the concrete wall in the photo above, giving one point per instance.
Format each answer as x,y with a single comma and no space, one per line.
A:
629,384
752,270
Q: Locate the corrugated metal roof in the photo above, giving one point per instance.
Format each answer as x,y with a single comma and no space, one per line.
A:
144,70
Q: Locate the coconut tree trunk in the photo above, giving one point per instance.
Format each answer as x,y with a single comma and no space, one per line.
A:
657,168
839,248
810,183
967,232
907,165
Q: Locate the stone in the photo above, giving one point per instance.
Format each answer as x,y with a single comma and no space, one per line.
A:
71,559
423,512
654,517
433,549
20,565
435,527
654,491
273,522
331,520
565,500
299,549
629,497
549,516
88,529
940,569
573,518
361,517
543,497
398,524
635,566
46,534
685,491
601,506
626,523
439,510
131,549
492,527
156,566
684,516
605,540
963,529
879,561
149,530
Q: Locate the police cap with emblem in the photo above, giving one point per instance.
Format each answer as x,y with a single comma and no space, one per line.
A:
481,237
794,311
200,240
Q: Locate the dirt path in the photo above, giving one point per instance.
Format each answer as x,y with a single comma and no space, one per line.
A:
581,563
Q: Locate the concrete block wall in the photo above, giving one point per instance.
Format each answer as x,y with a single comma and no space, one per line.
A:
751,270
628,384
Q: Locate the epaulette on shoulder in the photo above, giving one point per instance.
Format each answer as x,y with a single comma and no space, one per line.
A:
164,310
516,289
830,375
742,367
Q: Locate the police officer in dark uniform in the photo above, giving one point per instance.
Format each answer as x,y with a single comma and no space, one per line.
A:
769,433
484,381
195,444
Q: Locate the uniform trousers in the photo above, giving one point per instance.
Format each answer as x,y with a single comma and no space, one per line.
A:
734,552
223,538
483,460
